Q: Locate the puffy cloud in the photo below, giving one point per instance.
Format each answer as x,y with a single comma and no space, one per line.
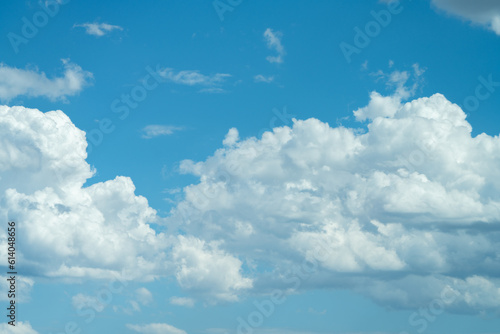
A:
151,131
483,12
98,29
400,212
386,106
101,231
16,82
273,41
70,230
156,329
20,328
379,106
232,137
204,268
405,212
87,232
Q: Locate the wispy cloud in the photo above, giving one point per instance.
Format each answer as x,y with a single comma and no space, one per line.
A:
213,90
16,82
273,40
155,130
404,83
274,331
155,329
193,77
81,301
182,301
262,78
144,296
211,83
98,29
399,80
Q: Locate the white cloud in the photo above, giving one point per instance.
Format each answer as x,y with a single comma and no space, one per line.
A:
155,329
182,301
20,328
151,131
212,90
202,267
482,12
364,66
144,296
232,137
70,230
210,83
16,82
273,40
98,29
399,212
387,106
100,231
262,78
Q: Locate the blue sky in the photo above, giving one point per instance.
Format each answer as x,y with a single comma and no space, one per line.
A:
202,152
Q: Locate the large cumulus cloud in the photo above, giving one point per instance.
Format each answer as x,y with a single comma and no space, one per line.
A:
68,230
404,212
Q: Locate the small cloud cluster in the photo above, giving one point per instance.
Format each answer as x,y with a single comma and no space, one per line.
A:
151,131
195,78
387,106
262,78
98,29
273,40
